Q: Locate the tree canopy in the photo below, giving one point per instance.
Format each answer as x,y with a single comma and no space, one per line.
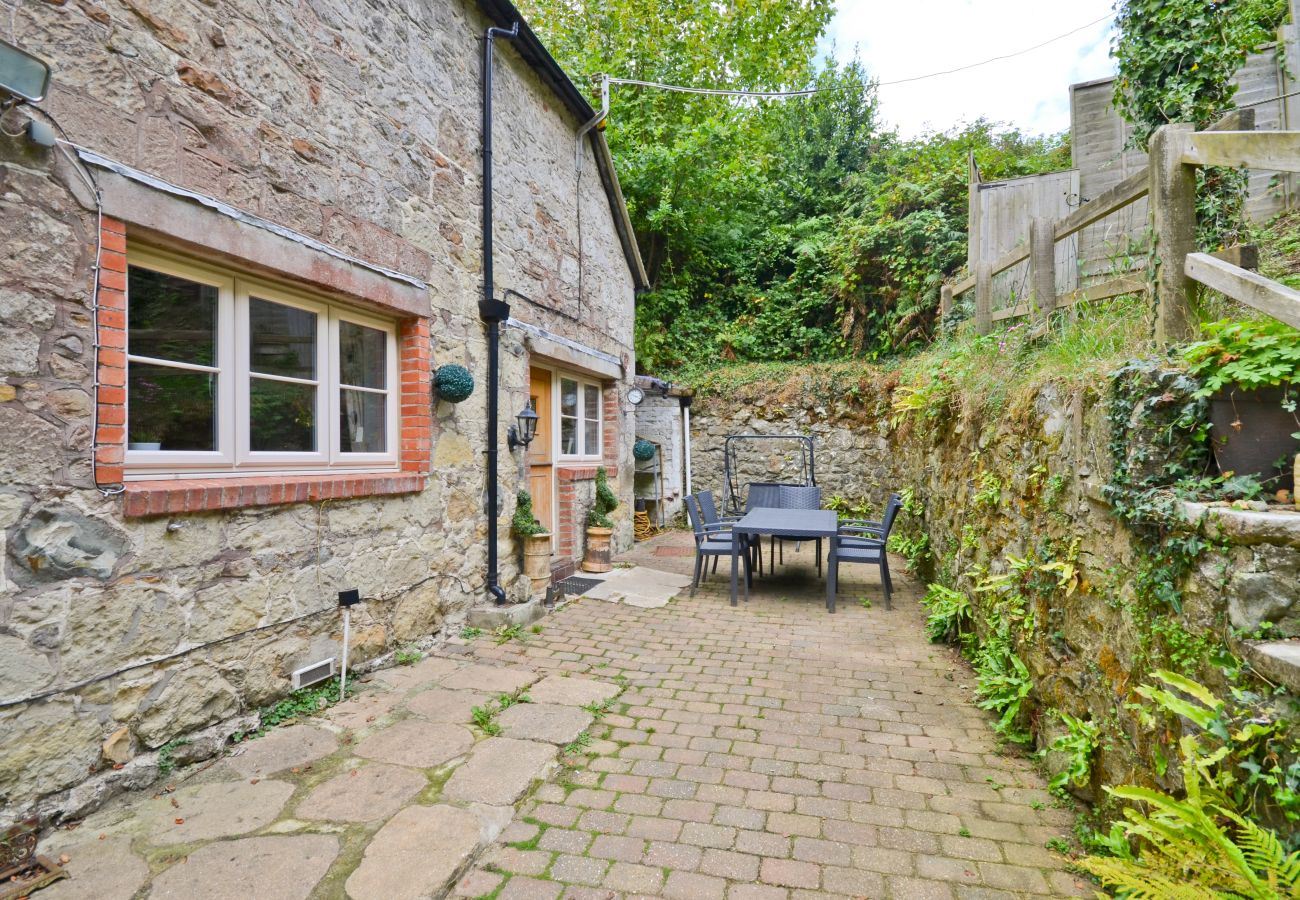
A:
798,228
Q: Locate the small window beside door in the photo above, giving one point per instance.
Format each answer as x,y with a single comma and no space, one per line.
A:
580,419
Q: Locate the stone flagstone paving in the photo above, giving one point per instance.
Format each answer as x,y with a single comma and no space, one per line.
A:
767,751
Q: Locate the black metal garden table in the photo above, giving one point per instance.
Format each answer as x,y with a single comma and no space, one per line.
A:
789,523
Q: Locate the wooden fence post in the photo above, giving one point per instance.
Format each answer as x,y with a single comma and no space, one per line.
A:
945,299
1042,264
1173,218
983,297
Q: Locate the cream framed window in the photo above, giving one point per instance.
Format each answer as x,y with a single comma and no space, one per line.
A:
228,375
580,417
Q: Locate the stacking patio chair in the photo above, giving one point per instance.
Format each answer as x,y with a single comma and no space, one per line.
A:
795,496
712,540
709,512
863,542
866,529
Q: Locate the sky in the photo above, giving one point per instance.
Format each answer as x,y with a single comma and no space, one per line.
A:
898,39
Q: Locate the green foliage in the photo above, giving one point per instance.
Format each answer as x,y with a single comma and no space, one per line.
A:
850,507
453,382
524,522
484,717
1079,744
1245,355
303,702
1176,58
408,656
167,756
1214,840
990,491
1003,685
468,633
775,229
949,614
606,502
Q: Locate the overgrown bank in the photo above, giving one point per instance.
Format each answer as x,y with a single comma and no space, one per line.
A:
1041,484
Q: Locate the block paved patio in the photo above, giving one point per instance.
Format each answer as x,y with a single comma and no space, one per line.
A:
766,751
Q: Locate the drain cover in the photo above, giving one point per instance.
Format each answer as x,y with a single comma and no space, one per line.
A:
576,587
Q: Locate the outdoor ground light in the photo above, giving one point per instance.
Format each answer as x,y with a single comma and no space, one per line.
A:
23,77
522,434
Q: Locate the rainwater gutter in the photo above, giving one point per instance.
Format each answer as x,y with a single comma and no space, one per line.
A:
493,312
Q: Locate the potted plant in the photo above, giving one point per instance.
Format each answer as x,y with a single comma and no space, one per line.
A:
600,527
1251,372
536,540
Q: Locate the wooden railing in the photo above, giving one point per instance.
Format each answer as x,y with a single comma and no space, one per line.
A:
1169,181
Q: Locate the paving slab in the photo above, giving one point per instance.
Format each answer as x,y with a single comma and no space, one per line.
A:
415,742
493,679
98,870
442,705
283,748
364,794
283,867
499,771
218,810
404,678
363,710
543,722
416,854
572,691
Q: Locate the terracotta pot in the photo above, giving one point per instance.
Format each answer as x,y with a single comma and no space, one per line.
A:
1250,433
537,560
598,558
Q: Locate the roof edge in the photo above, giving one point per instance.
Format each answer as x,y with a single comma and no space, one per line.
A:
503,14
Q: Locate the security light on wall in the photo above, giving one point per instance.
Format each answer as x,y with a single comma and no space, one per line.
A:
23,78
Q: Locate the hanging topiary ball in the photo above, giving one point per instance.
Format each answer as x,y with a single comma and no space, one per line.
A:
454,383
643,450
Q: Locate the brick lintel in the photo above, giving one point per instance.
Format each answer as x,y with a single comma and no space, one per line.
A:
156,498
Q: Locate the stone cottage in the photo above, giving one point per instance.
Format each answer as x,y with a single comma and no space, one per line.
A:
223,296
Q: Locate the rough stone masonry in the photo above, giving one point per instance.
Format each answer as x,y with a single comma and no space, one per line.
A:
356,125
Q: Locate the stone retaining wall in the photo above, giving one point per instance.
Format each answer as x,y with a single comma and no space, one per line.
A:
1048,458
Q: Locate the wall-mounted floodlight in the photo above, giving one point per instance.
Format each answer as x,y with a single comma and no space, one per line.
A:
23,77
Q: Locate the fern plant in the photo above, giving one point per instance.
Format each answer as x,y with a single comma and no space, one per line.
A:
1003,684
1200,846
1210,843
949,618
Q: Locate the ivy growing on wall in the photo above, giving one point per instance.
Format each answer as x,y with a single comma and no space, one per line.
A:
1176,61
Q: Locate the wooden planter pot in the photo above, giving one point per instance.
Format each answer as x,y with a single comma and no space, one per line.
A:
597,558
1251,432
537,560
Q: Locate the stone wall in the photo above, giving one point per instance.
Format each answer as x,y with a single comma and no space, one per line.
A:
1048,457
353,124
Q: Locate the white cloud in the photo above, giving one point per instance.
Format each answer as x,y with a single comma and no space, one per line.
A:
897,39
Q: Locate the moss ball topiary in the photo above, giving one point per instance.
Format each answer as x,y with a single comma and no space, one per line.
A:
454,383
643,450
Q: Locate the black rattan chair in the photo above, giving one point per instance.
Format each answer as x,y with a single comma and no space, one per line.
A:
713,540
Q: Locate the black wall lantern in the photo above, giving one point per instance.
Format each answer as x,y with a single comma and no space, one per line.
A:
522,434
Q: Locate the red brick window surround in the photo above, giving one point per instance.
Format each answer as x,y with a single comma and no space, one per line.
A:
399,469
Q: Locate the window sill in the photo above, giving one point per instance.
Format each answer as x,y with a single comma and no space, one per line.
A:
155,498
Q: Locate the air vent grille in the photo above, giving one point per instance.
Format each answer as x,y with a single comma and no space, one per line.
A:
313,674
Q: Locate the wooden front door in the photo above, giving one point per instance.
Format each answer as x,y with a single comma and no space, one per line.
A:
541,452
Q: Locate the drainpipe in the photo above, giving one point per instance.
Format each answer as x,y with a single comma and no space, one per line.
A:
493,312
686,438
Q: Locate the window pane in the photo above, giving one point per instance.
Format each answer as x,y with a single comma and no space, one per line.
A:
592,436
281,339
361,422
362,355
171,318
569,436
282,416
172,408
591,395
568,397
